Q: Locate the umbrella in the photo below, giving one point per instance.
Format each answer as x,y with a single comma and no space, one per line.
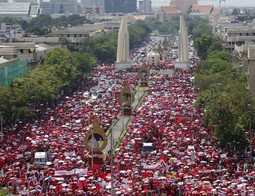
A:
82,179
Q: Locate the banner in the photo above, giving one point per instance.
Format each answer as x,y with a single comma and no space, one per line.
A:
68,173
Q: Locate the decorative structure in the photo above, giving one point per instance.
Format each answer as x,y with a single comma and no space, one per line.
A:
123,61
165,43
127,98
165,49
183,60
143,75
153,57
95,141
160,51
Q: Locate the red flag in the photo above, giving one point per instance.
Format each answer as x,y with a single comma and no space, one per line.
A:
98,187
102,175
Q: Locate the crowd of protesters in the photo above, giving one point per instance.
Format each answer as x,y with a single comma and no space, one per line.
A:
183,161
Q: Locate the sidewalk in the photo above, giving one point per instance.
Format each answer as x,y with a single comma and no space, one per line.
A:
122,123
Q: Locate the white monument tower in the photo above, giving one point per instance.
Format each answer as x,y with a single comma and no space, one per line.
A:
123,61
183,56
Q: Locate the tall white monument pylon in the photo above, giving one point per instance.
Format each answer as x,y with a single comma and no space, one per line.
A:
183,56
123,60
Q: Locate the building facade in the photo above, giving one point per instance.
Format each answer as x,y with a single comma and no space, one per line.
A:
59,6
145,6
93,6
120,6
15,10
233,34
183,5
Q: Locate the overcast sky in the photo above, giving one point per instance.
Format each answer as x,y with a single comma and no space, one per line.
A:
237,3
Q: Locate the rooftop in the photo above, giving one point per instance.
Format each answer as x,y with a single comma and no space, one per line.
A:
201,9
171,9
14,7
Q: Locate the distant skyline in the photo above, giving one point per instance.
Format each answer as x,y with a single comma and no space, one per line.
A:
235,3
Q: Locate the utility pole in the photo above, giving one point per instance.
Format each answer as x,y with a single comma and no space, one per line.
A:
250,130
112,188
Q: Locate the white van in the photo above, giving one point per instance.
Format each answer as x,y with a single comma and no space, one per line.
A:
147,147
41,158
94,98
86,95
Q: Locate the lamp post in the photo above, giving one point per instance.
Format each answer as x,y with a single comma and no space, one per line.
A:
112,188
250,129
92,149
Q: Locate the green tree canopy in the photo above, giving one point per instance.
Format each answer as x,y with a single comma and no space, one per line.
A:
206,44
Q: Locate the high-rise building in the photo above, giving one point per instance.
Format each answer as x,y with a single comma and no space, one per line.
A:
46,6
91,6
58,6
120,6
145,6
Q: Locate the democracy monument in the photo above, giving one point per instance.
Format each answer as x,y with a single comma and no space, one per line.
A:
123,60
183,59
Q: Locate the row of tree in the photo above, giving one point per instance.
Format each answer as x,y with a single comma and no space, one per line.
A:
105,48
43,24
222,93
44,83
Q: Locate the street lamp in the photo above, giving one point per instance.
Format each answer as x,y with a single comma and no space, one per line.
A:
250,129
112,188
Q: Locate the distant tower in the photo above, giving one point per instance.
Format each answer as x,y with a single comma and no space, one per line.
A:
123,61
183,56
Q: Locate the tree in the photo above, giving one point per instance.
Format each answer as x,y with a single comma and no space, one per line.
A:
206,44
200,29
224,55
84,62
228,113
62,64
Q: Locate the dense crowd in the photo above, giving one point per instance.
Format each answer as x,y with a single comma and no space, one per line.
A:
184,160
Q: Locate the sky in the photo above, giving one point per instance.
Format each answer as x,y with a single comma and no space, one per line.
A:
236,3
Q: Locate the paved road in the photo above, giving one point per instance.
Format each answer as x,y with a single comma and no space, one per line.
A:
121,124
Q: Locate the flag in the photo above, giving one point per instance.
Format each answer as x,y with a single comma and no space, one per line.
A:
102,175
39,188
163,164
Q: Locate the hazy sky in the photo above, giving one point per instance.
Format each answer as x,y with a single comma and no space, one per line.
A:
237,3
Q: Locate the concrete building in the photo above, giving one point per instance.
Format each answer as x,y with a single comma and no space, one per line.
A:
24,1
187,7
167,12
25,51
93,6
145,6
46,6
15,10
120,6
65,6
233,34
58,6
200,10
183,5
75,35
250,63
